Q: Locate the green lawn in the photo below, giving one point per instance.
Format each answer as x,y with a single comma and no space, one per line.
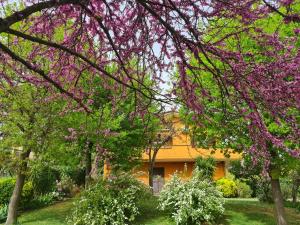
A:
150,215
238,212
52,215
242,212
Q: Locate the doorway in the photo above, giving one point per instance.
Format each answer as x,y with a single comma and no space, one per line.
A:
158,179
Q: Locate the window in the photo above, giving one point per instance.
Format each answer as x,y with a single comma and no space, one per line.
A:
185,129
164,139
168,143
167,140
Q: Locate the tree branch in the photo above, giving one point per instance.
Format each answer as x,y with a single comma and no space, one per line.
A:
23,14
78,55
294,18
42,74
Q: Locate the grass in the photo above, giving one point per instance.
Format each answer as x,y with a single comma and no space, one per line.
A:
245,212
238,212
51,215
150,215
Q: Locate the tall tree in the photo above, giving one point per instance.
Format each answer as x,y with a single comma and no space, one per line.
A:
250,123
26,125
223,126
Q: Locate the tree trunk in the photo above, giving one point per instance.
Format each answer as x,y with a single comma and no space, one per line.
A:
151,167
16,195
88,164
15,199
278,202
95,166
151,177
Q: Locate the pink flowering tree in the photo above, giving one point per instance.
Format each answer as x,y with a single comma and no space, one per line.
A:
230,122
144,37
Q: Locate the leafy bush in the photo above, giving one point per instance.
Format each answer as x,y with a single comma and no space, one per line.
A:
195,201
27,194
170,193
228,187
66,185
43,178
286,188
244,170
6,189
207,166
78,176
43,200
264,192
3,211
243,189
109,202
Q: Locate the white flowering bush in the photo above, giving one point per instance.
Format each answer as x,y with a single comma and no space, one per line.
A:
196,201
109,202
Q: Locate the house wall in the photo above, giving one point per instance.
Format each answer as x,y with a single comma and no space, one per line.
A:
182,149
184,169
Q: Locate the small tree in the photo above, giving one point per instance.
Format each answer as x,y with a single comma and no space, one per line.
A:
159,138
206,166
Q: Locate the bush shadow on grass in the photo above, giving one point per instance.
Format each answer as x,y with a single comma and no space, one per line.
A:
150,214
249,212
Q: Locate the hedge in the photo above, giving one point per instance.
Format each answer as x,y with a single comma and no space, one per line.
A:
7,185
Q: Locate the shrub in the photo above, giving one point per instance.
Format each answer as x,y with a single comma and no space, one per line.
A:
27,194
228,187
78,176
66,185
43,200
206,166
243,189
286,188
195,201
170,193
43,178
6,189
244,169
264,192
3,212
109,202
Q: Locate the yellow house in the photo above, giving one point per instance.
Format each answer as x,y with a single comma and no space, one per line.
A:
178,155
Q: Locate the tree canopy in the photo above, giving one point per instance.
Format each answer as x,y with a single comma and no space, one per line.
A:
69,38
